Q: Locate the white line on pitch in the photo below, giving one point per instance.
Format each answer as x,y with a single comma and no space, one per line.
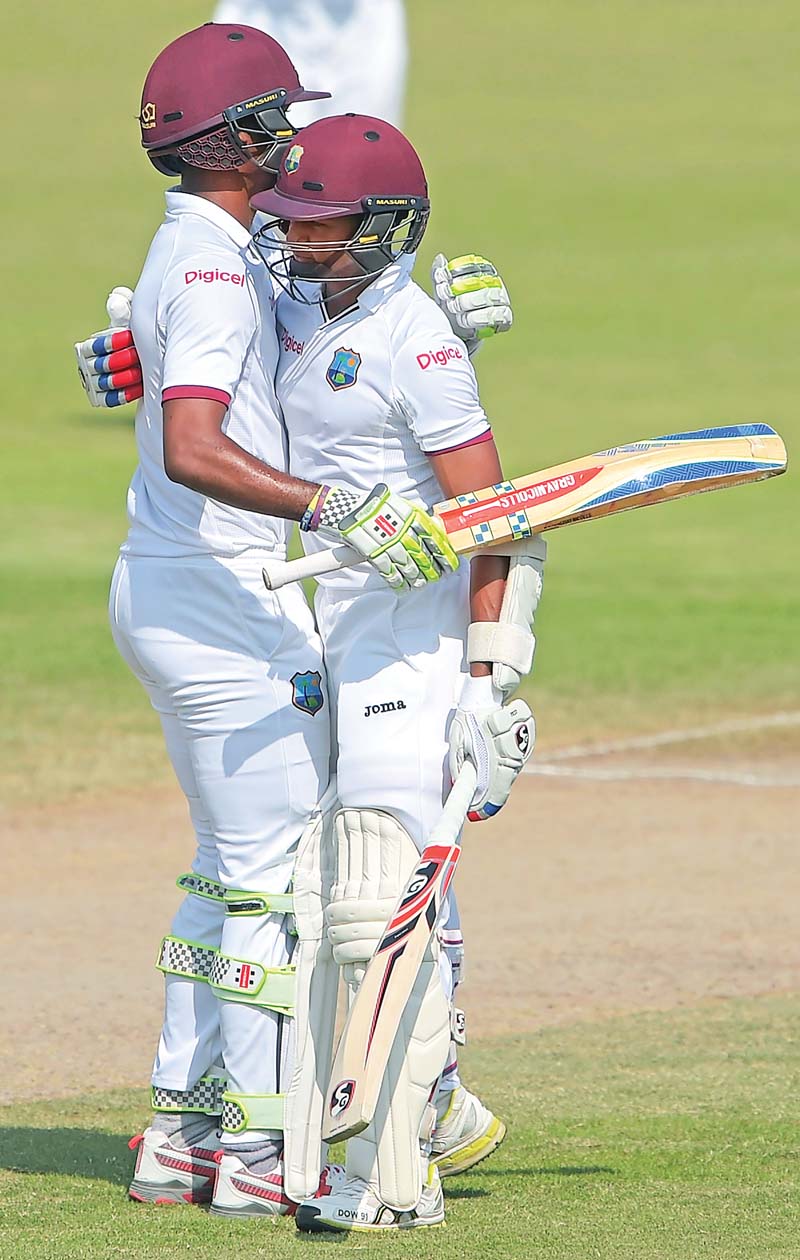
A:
610,775
643,742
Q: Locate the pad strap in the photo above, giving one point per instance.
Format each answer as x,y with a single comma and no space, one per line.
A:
178,957
246,903
233,979
201,886
206,1096
501,643
237,980
251,1111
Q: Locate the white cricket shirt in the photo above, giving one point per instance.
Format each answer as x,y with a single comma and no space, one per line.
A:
203,323
368,396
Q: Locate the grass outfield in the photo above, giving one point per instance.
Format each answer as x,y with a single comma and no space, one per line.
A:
635,172
646,1137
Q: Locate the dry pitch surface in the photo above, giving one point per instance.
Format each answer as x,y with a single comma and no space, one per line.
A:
586,898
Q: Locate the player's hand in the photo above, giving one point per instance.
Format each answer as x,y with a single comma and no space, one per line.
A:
108,362
472,296
497,738
407,546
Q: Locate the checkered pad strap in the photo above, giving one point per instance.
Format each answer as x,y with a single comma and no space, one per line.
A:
206,1096
200,886
186,958
237,980
251,1111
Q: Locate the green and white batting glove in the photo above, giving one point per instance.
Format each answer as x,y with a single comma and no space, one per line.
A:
472,296
407,546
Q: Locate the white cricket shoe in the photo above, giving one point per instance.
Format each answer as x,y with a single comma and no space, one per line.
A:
173,1174
354,1205
240,1192
465,1133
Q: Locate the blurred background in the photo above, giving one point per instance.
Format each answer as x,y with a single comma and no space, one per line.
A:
633,170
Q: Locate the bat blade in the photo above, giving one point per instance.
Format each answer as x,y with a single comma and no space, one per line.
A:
625,477
618,480
377,1008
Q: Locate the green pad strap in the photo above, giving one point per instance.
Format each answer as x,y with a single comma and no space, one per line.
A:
178,957
237,980
241,903
206,1096
251,1111
200,886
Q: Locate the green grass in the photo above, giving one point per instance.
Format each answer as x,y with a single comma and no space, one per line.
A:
634,170
647,1137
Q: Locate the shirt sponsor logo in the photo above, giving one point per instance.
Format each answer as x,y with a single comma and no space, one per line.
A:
343,368
438,358
208,277
291,343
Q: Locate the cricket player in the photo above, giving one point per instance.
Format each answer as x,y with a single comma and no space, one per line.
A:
358,48
235,673
372,380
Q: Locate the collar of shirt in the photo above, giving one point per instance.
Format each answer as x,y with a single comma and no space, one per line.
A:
179,203
394,277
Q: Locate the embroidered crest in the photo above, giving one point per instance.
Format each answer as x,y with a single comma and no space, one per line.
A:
148,115
307,693
343,369
292,159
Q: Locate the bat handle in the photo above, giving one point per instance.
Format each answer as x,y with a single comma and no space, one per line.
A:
278,573
456,807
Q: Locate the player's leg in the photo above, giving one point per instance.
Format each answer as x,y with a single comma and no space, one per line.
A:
466,1131
176,1153
358,51
243,673
395,666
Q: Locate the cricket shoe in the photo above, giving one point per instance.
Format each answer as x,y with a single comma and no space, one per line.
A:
466,1132
166,1173
352,1204
238,1192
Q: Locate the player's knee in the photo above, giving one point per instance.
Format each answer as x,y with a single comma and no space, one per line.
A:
374,855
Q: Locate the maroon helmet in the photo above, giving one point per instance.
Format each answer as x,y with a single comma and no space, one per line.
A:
353,164
208,85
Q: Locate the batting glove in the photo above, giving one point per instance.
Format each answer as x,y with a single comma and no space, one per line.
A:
407,546
108,361
497,738
472,296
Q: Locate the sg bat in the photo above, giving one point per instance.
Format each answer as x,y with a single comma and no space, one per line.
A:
625,477
377,1008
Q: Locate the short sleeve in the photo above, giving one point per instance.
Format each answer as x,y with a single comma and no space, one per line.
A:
438,391
208,322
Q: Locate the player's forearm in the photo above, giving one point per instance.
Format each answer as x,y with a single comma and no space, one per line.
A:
458,472
206,460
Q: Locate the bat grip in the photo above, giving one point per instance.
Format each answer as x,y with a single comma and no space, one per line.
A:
278,573
451,819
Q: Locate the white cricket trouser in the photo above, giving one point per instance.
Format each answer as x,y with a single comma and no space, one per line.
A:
217,653
355,49
396,666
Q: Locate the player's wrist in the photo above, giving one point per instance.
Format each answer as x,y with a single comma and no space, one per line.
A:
479,692
309,521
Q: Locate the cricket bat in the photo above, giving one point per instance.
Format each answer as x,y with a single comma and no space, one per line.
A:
631,476
375,1012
